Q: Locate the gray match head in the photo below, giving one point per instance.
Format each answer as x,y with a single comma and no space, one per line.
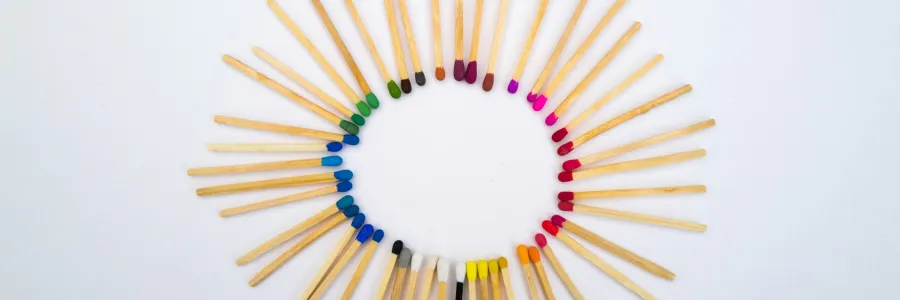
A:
405,258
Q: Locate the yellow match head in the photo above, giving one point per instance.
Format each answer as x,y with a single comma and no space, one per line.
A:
493,267
471,270
502,262
522,251
482,269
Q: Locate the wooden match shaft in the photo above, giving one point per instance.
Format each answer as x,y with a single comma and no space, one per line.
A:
360,270
301,37
386,276
604,266
398,284
297,78
338,266
255,167
619,251
410,38
476,31
458,47
545,283
588,41
600,66
411,285
273,127
296,248
266,184
262,147
669,190
395,38
320,9
328,262
559,48
425,291
485,292
286,235
529,278
442,290
498,36
647,142
638,164
535,24
631,114
472,289
278,201
495,287
436,33
364,32
507,284
642,218
563,275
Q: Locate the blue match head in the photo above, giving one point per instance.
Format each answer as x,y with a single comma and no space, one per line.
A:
358,220
343,175
334,147
332,161
351,139
344,187
351,211
345,202
365,233
378,235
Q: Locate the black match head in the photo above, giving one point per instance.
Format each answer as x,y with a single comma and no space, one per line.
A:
398,246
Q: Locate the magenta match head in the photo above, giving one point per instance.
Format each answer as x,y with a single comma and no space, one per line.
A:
472,72
560,134
539,103
565,196
571,164
565,149
531,97
551,119
459,70
513,86
540,239
549,227
565,176
558,220
565,206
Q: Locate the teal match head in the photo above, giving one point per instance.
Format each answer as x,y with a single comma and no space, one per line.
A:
332,161
364,233
363,108
393,89
358,120
350,139
343,175
344,186
378,236
334,147
373,101
349,127
351,211
358,220
344,202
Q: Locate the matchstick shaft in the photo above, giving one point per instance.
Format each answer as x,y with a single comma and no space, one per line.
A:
410,38
507,285
425,290
476,30
287,234
278,201
619,251
495,287
266,184
647,142
545,283
411,285
485,293
364,32
399,280
638,164
532,286
631,114
472,293
498,35
563,275
559,48
328,262
604,266
641,218
436,33
360,271
386,277
535,24
279,261
458,49
338,266
317,147
273,127
256,167
297,78
348,58
442,291
395,38
669,190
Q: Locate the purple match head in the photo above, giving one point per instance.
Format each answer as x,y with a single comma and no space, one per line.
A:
513,86
558,220
459,70
472,72
531,97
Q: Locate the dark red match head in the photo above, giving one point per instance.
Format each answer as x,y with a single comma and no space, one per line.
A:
565,176
565,148
549,227
540,239
565,205
571,164
558,221
565,196
560,134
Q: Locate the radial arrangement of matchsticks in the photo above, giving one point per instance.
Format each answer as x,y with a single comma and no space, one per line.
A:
406,273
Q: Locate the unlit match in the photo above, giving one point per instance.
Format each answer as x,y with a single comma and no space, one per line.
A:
630,216
328,161
341,187
605,194
277,147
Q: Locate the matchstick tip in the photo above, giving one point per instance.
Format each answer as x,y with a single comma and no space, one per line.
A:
531,97
344,202
460,272
364,233
565,149
357,119
406,86
459,70
571,164
493,267
332,161
420,78
558,220
343,175
378,235
334,147
503,262
416,262
472,72
522,252
349,127
358,220
551,119
350,140
488,83
539,102
540,239
565,196
549,228
443,270
344,187
482,269
565,176
405,257
533,254
351,211
397,247
565,206
439,73
513,86
471,270
560,134
393,89
364,110
372,100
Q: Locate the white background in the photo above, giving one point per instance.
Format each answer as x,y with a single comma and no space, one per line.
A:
107,103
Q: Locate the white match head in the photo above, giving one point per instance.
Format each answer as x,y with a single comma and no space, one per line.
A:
461,272
416,262
443,270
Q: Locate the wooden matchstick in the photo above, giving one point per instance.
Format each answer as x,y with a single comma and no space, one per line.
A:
560,45
513,86
436,33
405,85
599,263
494,271
472,67
393,89
287,93
573,164
588,41
429,267
631,114
522,252
411,41
341,187
402,268
332,257
471,276
563,275
488,82
566,176
396,249
483,278
443,275
535,257
328,161
240,187
507,282
460,280
414,266
365,232
630,216
605,194
258,125
459,67
279,147
363,264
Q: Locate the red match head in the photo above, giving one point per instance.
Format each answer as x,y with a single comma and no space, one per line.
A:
560,134
565,196
571,164
565,148
540,239
549,227
558,220
565,176
565,205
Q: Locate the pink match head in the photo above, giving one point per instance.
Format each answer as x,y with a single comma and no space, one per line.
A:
558,220
549,227
566,206
540,239
560,134
531,97
551,119
564,176
565,149
565,196
513,86
571,164
539,103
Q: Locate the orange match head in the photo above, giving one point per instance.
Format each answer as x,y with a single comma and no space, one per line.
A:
523,254
534,254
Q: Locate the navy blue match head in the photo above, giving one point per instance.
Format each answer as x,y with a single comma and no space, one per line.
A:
364,233
351,211
332,161
351,140
344,202
334,147
343,175
378,236
344,186
397,247
358,220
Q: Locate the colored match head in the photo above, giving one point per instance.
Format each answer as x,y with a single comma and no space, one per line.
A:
560,134
522,252
472,72
405,85
393,89
443,270
566,205
488,83
533,254
358,220
565,196
513,86
549,227
373,100
540,239
460,272
397,247
344,186
551,119
416,263
564,176
378,236
482,269
344,202
349,127
539,103
332,161
493,267
343,175
459,70
571,164
531,97
565,148
558,220
357,119
351,211
420,78
364,233
350,140
334,146
439,73
502,262
405,258
471,270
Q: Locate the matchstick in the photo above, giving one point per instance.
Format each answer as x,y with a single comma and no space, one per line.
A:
405,85
630,216
443,275
507,282
362,237
429,267
402,268
415,264
541,241
436,33
460,280
459,67
300,245
411,41
588,41
560,45
396,249
599,263
393,89
554,116
631,114
494,271
363,264
471,275
472,67
328,161
258,125
535,257
342,175
312,88
280,147
566,176
573,164
333,255
316,55
613,248
488,82
513,85
341,187
522,252
344,204
483,278
605,194
287,93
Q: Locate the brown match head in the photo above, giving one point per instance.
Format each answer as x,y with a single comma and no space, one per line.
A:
488,82
439,73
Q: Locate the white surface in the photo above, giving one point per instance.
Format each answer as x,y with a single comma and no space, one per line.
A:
106,103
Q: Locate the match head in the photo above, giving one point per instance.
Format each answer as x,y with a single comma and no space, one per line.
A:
416,263
405,258
344,186
373,101
334,146
540,239
332,161
512,87
472,72
405,85
349,127
471,270
522,252
365,233
488,83
459,70
439,73
549,227
443,270
461,272
420,78
344,203
565,148
482,269
571,164
393,89
358,220
493,267
551,119
502,262
539,103
364,110
565,206
558,220
560,134
350,140
343,175
533,254
564,176
378,236
531,97
351,211
397,247
565,196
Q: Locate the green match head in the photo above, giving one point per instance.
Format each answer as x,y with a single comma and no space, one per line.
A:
394,89
359,120
363,108
373,101
349,127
